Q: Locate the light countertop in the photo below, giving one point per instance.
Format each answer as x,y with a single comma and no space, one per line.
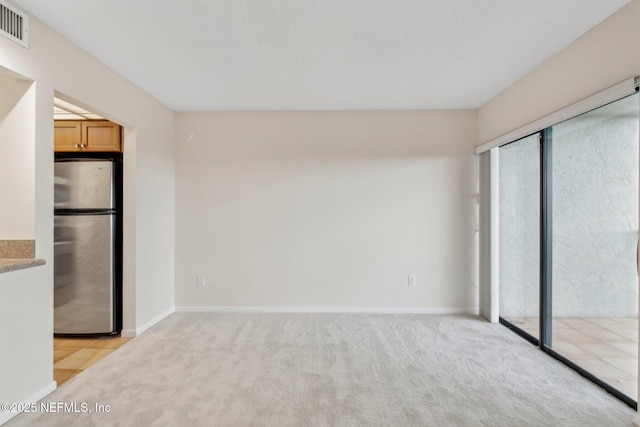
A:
12,264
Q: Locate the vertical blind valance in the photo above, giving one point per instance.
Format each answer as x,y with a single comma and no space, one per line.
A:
625,88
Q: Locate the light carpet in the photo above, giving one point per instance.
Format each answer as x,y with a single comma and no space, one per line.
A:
331,370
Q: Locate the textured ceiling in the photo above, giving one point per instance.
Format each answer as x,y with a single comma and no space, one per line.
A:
322,54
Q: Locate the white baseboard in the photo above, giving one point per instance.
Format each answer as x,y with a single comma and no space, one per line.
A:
372,310
130,333
40,394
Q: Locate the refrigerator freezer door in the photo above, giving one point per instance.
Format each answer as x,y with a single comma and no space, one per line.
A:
83,274
84,184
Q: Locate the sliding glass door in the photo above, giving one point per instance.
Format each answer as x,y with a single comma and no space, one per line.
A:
519,172
594,211
568,216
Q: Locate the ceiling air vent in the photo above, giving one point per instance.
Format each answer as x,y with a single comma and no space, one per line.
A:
14,24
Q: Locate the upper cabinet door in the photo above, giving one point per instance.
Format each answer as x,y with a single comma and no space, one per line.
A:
101,136
67,135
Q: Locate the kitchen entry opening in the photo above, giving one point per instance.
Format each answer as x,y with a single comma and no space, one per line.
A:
568,228
87,222
88,238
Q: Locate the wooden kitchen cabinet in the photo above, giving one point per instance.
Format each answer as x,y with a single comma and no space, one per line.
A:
87,135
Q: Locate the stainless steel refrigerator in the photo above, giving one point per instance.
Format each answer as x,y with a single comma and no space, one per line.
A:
85,247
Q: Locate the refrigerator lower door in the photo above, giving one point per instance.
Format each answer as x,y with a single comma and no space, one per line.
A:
84,274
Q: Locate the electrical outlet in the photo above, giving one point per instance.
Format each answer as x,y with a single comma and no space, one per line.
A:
200,282
411,281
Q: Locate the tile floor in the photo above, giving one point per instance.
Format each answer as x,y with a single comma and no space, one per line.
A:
606,347
72,355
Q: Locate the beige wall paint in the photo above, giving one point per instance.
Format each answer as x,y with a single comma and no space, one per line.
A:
17,163
58,66
606,55
326,209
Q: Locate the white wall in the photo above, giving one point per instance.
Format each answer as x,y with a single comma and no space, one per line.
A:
17,162
56,65
326,209
26,371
